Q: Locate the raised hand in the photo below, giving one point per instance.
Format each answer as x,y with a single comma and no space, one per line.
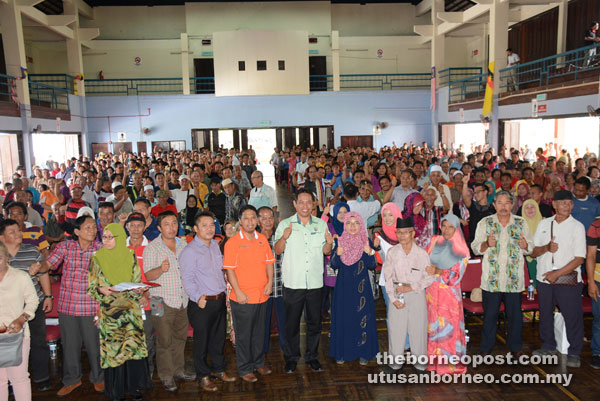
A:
287,232
523,242
328,237
164,266
34,268
340,251
202,302
394,182
368,249
377,242
491,241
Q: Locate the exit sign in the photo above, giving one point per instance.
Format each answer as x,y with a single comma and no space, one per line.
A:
264,122
542,108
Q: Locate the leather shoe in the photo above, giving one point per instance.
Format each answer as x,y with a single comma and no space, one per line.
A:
290,367
186,377
43,386
264,370
315,365
250,378
66,390
169,385
225,377
99,387
207,384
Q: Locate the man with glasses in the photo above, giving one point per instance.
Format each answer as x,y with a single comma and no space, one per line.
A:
477,205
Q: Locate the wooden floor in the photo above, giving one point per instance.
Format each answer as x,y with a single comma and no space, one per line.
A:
349,381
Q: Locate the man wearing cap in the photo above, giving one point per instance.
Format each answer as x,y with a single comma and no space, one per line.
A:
442,191
216,200
201,264
137,241
235,200
503,239
163,204
262,194
149,194
405,282
181,194
560,248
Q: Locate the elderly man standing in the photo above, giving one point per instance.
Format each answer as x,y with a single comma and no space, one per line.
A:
235,201
443,197
249,266
203,280
503,239
405,282
305,239
262,195
560,249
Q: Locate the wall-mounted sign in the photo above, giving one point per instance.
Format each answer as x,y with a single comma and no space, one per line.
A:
137,60
121,137
379,53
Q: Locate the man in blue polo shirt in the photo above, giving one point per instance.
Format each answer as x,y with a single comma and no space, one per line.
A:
586,209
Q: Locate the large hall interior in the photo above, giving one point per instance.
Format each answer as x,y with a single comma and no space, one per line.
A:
86,79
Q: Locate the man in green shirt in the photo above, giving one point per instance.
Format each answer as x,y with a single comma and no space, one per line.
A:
305,239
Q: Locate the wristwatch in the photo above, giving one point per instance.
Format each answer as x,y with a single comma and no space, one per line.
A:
48,296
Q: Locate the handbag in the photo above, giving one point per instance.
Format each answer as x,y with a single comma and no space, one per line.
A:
560,333
569,279
11,349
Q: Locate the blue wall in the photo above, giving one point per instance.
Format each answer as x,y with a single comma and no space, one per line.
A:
351,113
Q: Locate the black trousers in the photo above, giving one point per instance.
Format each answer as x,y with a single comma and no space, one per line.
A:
296,302
209,335
249,325
39,356
512,308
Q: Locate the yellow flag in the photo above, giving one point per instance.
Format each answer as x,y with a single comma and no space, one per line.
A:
489,91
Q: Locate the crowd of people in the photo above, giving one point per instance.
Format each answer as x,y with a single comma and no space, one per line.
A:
146,245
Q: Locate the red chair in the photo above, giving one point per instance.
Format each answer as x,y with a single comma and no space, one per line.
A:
190,331
472,279
526,304
53,331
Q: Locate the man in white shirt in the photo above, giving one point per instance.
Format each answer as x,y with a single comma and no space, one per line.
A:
513,59
181,194
262,195
560,249
366,209
301,167
442,191
399,194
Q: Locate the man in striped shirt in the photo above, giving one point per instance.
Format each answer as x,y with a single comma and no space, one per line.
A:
71,209
27,258
76,309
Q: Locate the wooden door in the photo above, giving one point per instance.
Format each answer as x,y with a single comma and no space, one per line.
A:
279,138
205,68
244,139
125,146
317,65
142,148
99,147
290,137
353,141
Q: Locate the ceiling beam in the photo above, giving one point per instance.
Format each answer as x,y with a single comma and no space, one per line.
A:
456,17
29,3
36,15
85,9
423,7
531,2
60,20
424,30
86,34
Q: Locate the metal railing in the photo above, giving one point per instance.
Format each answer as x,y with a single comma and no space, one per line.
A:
133,87
8,89
470,87
48,96
385,81
202,85
62,81
565,66
320,82
448,76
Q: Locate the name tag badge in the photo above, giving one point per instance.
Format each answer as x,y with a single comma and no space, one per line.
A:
313,233
244,246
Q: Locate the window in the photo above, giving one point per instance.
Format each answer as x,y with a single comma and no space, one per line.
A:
242,65
261,65
281,65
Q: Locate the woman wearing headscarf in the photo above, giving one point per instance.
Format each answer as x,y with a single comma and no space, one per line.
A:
386,238
449,256
413,206
123,349
533,216
188,213
522,196
336,229
491,191
353,325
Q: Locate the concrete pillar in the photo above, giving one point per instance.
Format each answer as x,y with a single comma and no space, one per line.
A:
185,60
74,53
437,59
561,36
498,30
335,59
14,46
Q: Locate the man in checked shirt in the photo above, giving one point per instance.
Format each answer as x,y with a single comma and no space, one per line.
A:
161,266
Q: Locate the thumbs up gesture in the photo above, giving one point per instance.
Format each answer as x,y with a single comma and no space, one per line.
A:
491,241
165,265
202,302
523,242
552,246
287,232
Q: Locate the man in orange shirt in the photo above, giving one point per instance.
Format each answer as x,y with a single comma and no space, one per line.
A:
249,267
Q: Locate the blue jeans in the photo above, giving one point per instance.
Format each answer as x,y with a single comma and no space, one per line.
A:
596,326
276,303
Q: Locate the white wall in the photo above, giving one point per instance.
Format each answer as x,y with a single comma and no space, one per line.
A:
270,46
376,19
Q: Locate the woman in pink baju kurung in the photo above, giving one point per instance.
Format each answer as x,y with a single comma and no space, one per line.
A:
446,327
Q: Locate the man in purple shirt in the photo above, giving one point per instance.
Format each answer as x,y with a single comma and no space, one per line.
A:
201,264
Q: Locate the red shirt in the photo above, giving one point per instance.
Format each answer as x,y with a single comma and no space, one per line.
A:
139,252
158,209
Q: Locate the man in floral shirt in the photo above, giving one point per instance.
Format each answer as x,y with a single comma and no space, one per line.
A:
503,239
